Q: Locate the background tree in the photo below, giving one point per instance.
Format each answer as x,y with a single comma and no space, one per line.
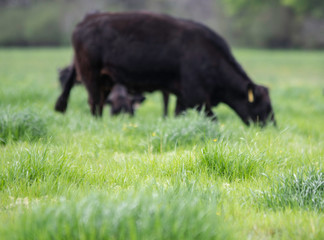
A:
277,23
251,23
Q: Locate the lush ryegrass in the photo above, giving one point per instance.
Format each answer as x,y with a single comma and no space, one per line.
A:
303,189
144,214
25,125
33,166
73,176
230,162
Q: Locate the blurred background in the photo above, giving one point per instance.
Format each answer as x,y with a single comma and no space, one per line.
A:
247,23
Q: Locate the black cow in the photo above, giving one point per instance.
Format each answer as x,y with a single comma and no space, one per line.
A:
148,52
119,99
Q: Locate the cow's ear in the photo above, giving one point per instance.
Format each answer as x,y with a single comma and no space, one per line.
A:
250,93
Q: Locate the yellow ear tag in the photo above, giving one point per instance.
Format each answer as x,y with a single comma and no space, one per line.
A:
250,96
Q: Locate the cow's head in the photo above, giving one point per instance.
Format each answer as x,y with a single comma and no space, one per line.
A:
254,105
121,101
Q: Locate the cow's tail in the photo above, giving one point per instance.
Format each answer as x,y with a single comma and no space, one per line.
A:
62,101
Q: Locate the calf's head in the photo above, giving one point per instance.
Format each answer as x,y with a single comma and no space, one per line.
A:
121,101
254,105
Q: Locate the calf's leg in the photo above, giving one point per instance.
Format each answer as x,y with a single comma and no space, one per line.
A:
165,103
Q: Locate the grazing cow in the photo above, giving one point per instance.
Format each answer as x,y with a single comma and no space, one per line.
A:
119,99
148,52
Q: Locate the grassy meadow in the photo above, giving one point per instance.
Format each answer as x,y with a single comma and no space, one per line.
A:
73,176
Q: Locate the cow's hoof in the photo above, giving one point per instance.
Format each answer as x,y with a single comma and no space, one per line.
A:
60,105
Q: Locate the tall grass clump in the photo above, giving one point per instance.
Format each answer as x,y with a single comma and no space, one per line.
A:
25,125
168,134
190,129
167,214
31,166
230,162
303,189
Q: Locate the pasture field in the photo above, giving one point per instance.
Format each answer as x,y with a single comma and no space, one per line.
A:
73,176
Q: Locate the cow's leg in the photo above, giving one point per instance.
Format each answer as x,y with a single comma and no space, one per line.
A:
208,110
199,108
103,93
165,102
62,101
92,79
180,106
101,104
95,96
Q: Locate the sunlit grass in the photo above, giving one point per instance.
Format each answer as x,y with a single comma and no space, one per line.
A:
301,189
73,176
230,162
181,213
25,125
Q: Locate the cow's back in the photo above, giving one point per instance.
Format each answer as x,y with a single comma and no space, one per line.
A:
136,42
153,50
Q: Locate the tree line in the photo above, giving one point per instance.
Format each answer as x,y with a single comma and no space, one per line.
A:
249,23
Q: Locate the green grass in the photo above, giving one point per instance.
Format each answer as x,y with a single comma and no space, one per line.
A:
303,189
73,176
231,163
25,125
167,214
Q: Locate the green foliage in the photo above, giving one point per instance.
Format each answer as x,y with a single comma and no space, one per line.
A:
12,35
301,7
25,125
33,166
146,177
171,214
184,131
289,23
304,189
228,161
36,25
44,28
310,7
